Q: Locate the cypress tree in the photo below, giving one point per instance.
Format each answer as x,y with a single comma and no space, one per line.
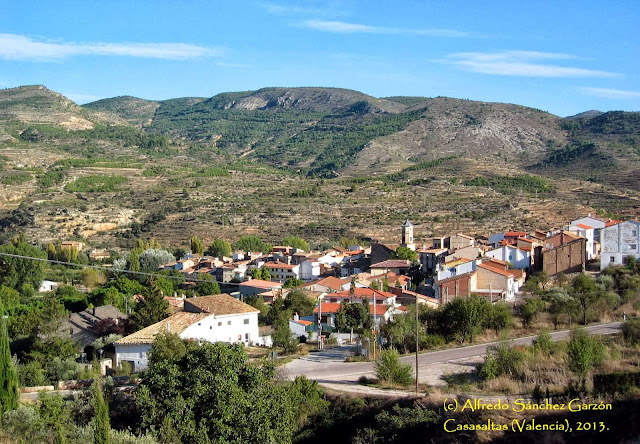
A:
8,374
102,426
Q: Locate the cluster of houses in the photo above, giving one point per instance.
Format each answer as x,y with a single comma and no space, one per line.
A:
493,266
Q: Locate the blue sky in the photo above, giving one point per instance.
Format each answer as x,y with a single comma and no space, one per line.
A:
560,56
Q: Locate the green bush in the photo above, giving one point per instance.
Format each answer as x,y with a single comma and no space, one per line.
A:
543,343
16,179
389,368
95,184
631,331
501,360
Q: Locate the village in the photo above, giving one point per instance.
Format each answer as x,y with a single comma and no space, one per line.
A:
387,278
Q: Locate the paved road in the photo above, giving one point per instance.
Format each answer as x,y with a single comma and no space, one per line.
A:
329,367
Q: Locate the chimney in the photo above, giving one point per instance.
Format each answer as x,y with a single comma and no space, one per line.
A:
168,327
296,317
589,215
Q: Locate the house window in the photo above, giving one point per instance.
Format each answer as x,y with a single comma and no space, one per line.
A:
612,259
199,324
211,327
634,233
220,324
633,246
246,336
246,321
239,337
228,322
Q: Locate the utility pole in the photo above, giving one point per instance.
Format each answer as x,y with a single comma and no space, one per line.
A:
320,323
375,326
417,344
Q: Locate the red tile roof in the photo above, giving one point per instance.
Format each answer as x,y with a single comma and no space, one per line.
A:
456,277
279,265
259,283
333,307
496,270
392,263
515,234
585,227
220,305
361,292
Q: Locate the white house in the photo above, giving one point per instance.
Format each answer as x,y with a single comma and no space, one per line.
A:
281,272
588,233
309,270
619,241
518,258
218,318
47,286
454,267
300,327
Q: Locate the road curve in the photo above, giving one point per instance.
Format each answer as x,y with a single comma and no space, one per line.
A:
329,367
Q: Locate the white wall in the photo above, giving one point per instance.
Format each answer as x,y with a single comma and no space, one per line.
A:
135,353
229,328
519,259
617,241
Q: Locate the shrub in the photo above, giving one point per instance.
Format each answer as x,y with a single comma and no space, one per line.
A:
389,368
631,331
543,343
501,360
583,352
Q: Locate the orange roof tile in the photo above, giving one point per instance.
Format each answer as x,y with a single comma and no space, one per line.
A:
496,270
220,305
177,323
585,227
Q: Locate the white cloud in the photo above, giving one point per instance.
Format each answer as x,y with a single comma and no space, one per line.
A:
18,47
351,28
611,93
273,8
522,63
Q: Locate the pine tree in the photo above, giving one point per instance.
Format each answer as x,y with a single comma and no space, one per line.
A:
102,426
8,374
153,308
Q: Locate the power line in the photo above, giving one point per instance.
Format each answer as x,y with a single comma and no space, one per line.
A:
98,267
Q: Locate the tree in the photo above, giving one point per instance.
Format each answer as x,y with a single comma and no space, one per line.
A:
587,293
15,271
529,311
295,242
152,258
207,285
406,254
281,336
9,298
498,317
167,347
253,243
297,301
151,309
102,425
213,394
219,248
292,282
196,245
134,259
354,316
583,352
463,317
92,278
8,374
